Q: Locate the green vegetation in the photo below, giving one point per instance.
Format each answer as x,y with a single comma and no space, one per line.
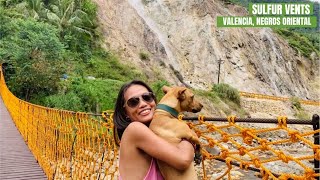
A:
98,67
295,103
32,47
52,56
227,92
225,98
302,42
302,115
229,96
157,88
69,101
144,56
299,111
85,95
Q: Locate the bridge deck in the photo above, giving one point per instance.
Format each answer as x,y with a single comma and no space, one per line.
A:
16,160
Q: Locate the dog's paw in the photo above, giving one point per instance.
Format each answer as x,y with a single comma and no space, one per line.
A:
197,156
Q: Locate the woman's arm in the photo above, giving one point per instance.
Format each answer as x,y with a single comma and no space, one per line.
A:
178,156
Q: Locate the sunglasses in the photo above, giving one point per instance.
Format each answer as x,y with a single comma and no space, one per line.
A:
134,101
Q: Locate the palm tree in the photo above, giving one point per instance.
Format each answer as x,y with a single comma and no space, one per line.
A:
37,9
68,17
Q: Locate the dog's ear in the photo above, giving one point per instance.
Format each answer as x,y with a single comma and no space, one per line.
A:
181,94
165,89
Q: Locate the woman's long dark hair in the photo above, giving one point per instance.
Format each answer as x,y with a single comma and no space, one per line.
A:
120,119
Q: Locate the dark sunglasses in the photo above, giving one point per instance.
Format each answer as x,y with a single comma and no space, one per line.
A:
134,101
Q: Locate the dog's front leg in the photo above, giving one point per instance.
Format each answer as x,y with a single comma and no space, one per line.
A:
197,147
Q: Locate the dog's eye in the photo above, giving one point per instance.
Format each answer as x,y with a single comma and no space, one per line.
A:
192,97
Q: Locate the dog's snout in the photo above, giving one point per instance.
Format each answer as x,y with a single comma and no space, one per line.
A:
200,106
197,108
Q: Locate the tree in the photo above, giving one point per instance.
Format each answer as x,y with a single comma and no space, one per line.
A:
35,52
37,8
73,22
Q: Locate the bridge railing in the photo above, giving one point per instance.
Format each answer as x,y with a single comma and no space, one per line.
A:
80,145
276,98
66,144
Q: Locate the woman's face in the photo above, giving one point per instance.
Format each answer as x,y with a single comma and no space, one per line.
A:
143,112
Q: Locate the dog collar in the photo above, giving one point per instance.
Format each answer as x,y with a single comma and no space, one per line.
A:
169,109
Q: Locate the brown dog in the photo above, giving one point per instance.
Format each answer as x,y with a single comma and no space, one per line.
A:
166,125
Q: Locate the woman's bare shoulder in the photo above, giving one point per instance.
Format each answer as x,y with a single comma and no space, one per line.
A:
137,130
134,126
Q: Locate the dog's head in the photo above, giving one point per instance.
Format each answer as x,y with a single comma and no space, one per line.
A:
184,97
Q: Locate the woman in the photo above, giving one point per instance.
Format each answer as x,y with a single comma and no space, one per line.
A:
139,146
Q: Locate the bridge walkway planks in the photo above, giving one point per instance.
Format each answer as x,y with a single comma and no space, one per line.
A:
16,160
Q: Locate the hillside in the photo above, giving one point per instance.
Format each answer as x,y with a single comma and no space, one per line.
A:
184,46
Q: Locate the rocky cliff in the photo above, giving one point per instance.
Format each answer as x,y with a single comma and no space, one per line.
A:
184,46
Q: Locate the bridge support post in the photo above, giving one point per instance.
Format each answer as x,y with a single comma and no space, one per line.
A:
316,126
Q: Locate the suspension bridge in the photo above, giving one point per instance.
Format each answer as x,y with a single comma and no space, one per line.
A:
38,142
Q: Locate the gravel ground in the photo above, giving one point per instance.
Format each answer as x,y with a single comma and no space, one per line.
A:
260,108
216,168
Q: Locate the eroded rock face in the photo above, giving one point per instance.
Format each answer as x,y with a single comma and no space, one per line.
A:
185,46
127,34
